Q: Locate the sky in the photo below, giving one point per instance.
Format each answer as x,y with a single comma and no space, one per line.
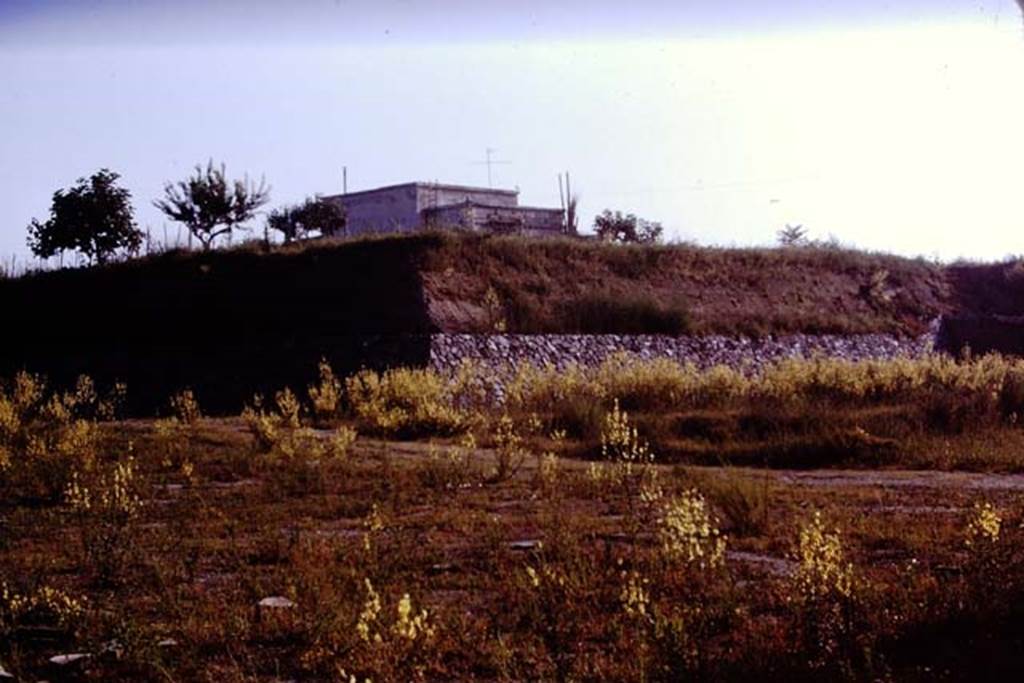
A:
887,126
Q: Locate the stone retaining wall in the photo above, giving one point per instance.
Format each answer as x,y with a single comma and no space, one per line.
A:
560,350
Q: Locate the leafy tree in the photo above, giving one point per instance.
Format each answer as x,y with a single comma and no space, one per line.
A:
312,216
616,227
209,205
94,217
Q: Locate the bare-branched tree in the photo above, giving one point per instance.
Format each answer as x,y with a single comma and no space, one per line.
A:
792,236
209,205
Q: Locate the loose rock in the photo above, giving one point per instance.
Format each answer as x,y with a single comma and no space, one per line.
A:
70,658
277,602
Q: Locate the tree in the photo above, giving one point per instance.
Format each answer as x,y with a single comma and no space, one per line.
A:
792,236
94,217
616,227
209,206
312,216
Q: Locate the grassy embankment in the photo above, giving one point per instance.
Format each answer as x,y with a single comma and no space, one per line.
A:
229,323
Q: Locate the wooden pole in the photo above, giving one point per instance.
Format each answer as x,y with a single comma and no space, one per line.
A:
570,204
561,200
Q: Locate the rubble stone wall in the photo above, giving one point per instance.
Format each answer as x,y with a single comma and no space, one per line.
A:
447,351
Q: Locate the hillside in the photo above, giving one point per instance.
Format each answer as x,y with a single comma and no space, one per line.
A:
548,286
233,321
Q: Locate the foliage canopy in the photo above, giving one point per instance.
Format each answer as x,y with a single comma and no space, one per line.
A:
94,217
616,227
312,216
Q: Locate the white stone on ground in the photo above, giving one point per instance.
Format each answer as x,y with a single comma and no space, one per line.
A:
277,602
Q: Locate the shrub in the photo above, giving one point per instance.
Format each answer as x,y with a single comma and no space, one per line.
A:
621,443
548,468
509,450
826,594
689,533
185,408
451,469
41,605
983,527
46,436
822,570
278,431
397,648
496,318
662,383
275,424
407,402
105,510
325,395
626,466
991,557
173,433
570,397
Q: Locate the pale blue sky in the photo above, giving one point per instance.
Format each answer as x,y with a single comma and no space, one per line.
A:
893,126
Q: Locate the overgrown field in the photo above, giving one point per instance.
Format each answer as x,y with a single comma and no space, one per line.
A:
405,526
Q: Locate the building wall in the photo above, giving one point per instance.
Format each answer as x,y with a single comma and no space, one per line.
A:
516,219
388,210
454,216
525,219
430,196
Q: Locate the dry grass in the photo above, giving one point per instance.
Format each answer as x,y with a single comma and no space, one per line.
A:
543,283
933,412
440,560
202,550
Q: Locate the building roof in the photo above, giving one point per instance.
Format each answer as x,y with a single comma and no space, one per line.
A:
428,186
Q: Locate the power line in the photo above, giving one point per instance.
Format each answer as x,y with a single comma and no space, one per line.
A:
697,187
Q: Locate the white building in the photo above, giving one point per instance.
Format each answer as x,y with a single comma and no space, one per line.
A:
413,206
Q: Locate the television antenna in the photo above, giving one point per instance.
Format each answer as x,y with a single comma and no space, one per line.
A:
490,161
